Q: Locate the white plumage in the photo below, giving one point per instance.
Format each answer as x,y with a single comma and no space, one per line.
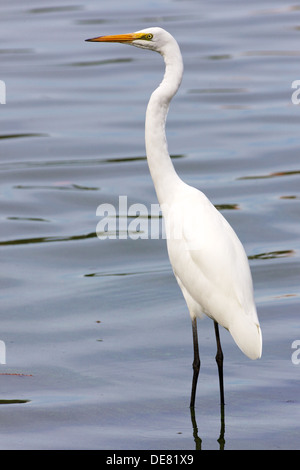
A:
208,259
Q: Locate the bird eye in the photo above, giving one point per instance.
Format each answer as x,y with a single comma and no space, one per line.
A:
147,37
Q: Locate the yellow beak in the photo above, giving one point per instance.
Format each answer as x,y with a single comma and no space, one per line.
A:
116,38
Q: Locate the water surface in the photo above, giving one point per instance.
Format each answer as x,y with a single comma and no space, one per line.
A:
97,334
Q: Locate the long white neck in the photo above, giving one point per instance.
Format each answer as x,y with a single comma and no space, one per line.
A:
160,165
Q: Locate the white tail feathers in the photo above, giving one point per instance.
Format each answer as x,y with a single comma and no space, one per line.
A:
247,335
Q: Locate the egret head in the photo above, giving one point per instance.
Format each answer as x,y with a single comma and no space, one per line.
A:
150,38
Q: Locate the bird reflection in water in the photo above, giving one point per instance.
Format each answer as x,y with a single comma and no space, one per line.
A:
198,440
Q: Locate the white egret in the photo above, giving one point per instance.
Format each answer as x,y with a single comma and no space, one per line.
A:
208,259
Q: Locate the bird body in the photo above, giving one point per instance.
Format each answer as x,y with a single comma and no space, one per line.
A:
212,270
208,259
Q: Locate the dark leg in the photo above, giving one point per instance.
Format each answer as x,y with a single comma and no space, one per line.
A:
221,439
219,359
196,363
197,439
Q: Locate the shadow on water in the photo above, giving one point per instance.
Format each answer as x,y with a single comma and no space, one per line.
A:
13,402
25,241
198,440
